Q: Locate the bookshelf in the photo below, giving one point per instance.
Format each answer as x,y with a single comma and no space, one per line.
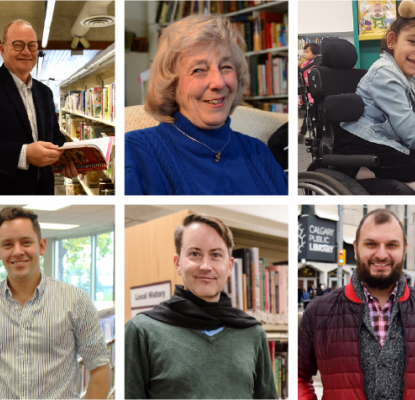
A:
74,115
154,242
264,93
106,314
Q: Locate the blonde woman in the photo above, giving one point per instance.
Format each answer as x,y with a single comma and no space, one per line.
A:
198,77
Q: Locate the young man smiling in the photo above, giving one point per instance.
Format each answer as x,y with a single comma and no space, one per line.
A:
196,345
44,322
360,336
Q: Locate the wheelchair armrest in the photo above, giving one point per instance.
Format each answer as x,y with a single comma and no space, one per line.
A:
343,107
337,160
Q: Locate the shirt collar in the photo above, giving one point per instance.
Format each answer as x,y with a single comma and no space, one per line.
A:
390,298
40,289
19,83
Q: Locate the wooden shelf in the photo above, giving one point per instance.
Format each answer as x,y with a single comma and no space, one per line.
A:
274,96
69,137
104,121
275,328
277,5
89,191
282,50
283,337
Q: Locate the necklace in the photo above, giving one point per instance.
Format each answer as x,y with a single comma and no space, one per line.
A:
217,153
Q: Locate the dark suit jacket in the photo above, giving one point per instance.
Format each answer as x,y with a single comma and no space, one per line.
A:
15,131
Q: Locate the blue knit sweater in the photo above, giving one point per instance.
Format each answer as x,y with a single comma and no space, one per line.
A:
163,161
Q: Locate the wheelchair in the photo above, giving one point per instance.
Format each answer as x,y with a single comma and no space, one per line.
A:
332,84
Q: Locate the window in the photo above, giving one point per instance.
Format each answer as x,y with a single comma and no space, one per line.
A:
88,263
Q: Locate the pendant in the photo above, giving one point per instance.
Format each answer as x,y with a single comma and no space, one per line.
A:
217,157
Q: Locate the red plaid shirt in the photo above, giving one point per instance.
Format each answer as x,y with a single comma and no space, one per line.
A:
380,319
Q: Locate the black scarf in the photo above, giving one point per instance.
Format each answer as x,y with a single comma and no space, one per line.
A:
189,311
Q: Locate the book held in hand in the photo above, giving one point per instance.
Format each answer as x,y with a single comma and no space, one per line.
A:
87,155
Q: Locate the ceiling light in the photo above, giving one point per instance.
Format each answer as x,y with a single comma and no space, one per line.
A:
50,8
45,207
75,42
39,65
56,226
85,43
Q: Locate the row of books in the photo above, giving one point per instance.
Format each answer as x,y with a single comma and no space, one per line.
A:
257,289
81,129
97,102
269,75
170,11
279,360
305,40
262,30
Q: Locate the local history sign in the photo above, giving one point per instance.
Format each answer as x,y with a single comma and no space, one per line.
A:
317,239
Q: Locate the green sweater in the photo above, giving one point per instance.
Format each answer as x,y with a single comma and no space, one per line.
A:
163,361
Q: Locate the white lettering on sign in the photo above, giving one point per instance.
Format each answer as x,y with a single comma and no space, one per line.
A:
321,230
322,248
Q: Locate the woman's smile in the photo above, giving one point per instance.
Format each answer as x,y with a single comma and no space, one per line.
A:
207,87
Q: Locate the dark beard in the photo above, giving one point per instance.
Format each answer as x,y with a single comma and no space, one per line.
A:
378,282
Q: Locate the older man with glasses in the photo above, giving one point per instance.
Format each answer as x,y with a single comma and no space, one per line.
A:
29,134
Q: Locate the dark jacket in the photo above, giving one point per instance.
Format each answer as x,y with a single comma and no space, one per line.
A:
329,341
15,131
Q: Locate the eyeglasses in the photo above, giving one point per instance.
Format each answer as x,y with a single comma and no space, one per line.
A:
19,45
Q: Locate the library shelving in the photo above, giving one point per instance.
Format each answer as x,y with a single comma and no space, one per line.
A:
154,241
80,119
106,314
263,25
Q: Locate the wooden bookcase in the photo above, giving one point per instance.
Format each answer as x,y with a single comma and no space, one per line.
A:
149,251
98,72
144,60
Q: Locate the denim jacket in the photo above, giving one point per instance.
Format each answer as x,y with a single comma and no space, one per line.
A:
389,99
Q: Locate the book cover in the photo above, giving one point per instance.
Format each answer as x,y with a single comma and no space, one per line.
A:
246,262
87,155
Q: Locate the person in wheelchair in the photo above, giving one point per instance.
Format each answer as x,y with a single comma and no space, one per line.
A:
387,127
362,121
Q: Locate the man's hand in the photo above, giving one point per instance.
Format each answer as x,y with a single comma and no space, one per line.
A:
41,153
99,383
69,170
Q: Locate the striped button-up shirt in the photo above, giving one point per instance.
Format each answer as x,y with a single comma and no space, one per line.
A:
39,343
26,94
380,317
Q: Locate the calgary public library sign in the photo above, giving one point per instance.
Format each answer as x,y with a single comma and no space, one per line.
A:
317,239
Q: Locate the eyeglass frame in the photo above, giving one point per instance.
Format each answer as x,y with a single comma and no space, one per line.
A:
25,44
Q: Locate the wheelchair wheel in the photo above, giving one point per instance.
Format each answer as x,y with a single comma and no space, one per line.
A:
328,182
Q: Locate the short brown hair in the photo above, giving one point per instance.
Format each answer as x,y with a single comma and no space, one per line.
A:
18,22
215,223
11,213
381,217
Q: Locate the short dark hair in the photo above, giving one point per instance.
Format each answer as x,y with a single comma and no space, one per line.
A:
11,213
223,231
314,47
396,27
381,217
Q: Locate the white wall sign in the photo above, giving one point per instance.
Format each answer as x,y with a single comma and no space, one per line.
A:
145,297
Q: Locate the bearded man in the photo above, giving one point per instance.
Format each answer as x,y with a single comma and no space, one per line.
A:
361,337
